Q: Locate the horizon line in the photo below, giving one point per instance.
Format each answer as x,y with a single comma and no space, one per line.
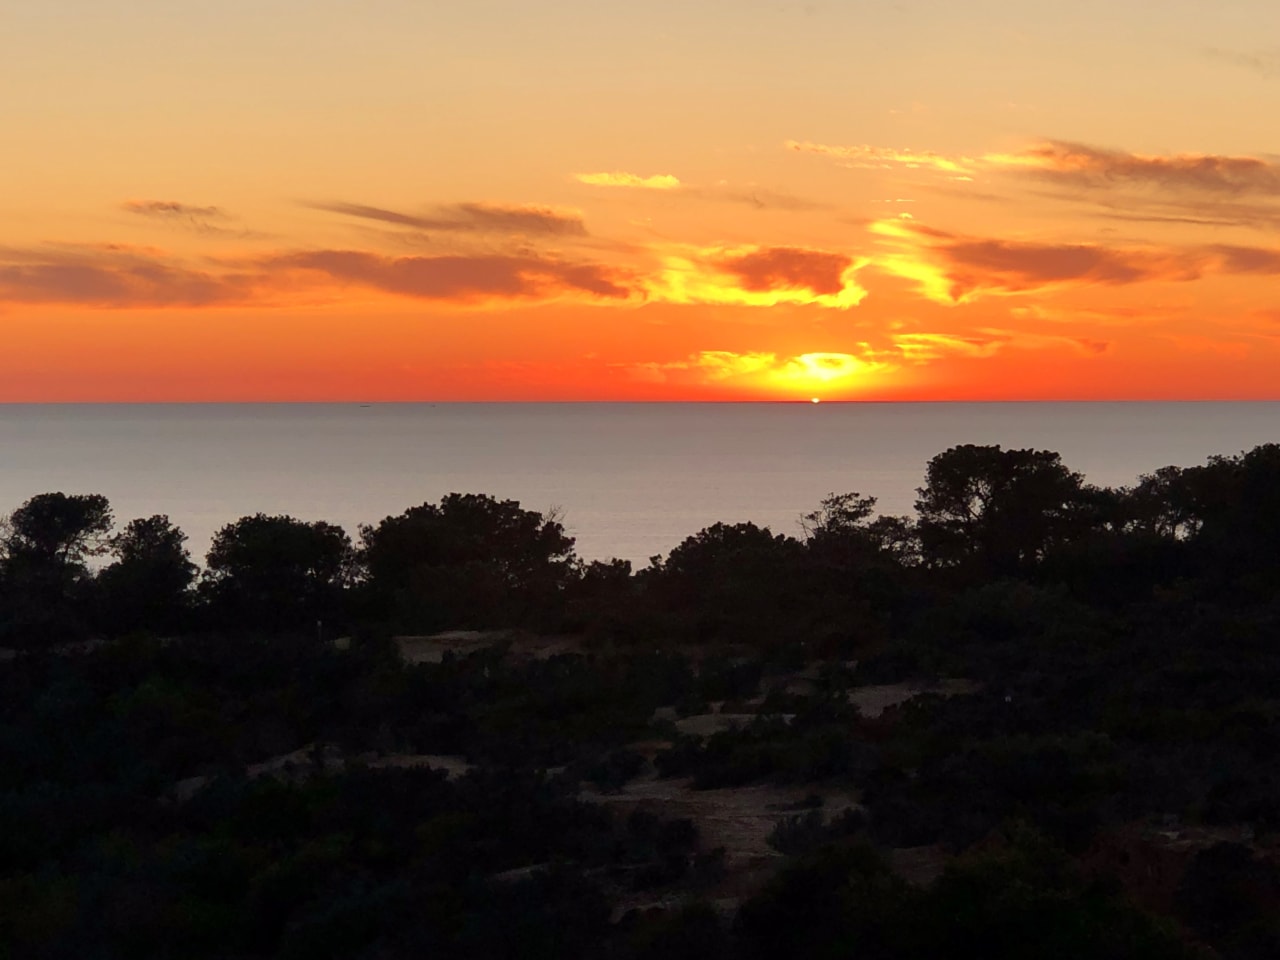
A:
800,401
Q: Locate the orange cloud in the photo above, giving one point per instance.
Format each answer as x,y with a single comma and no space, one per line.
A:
758,276
870,158
1081,164
472,217
748,194
618,178
190,216
114,276
171,208
466,279
1247,259
1190,188
724,364
949,268
924,347
790,268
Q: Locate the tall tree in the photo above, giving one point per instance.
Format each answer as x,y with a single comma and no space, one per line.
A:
278,572
998,511
470,560
148,586
732,581
60,528
44,573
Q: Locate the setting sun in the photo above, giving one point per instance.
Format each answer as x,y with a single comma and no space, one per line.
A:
654,236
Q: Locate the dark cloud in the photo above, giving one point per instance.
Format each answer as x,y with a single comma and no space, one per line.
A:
465,278
1200,189
113,277
952,268
471,218
1169,218
1248,259
1084,165
192,217
789,268
1031,264
172,208
116,277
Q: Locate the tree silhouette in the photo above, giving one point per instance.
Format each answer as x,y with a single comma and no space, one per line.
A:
471,560
44,572
998,511
845,530
59,528
277,572
148,586
731,579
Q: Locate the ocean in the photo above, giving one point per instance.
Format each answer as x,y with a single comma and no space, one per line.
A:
630,480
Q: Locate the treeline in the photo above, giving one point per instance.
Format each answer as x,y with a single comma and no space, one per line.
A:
1118,649
984,515
67,574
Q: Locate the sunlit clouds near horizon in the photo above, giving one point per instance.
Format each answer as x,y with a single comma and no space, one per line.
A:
579,202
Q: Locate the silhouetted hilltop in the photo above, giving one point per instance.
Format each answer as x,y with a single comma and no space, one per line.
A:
1036,718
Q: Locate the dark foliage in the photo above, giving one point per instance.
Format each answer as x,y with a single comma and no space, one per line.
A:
197,767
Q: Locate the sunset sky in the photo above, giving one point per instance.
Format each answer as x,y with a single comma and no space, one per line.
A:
573,200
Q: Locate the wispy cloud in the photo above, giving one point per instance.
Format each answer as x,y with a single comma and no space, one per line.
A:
524,219
121,277
951,268
463,279
1265,62
848,370
633,181
1084,165
1260,260
924,347
115,276
868,157
202,219
724,364
112,276
761,198
747,194
1105,316
1078,163
1200,189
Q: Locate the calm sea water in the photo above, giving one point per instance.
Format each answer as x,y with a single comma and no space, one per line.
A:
632,480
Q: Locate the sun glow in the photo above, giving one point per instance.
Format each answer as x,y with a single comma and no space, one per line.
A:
839,371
